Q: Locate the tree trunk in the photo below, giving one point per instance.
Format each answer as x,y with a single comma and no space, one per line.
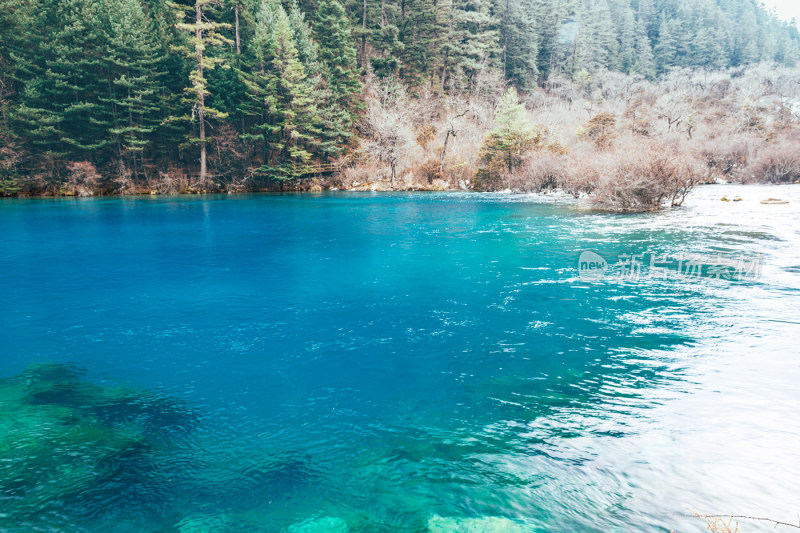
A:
505,43
364,38
444,151
130,125
449,36
236,13
201,97
444,77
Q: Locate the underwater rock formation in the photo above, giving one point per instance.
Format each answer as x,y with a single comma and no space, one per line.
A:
489,524
327,524
68,447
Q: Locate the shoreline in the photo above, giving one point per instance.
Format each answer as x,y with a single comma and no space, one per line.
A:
554,194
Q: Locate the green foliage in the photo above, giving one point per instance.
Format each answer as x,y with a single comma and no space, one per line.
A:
339,96
337,52
64,80
472,43
134,63
280,94
507,144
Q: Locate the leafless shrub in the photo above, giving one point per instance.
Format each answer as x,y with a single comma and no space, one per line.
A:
10,155
642,127
643,178
751,118
82,179
425,135
123,180
167,183
356,175
676,109
544,170
228,157
726,156
428,171
778,163
387,129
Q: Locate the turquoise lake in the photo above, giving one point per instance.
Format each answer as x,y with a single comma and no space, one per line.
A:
412,362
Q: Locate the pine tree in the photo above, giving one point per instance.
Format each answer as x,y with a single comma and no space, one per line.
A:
747,47
667,47
472,43
520,42
604,47
420,30
647,18
337,52
338,55
645,63
205,33
62,111
332,124
627,41
294,110
281,96
307,48
386,40
551,18
506,145
259,79
134,60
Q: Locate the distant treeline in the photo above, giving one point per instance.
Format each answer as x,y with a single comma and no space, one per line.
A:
201,94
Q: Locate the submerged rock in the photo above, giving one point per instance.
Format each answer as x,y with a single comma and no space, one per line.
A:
327,524
203,523
68,444
488,524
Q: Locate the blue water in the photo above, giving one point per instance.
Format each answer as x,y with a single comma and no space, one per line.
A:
415,362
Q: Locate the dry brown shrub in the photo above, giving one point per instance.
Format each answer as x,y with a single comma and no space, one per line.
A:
716,524
82,179
460,171
642,127
228,156
601,129
642,177
123,180
726,156
170,180
438,185
426,134
358,174
544,170
557,148
428,171
10,155
775,163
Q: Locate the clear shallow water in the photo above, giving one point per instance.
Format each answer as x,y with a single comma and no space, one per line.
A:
401,362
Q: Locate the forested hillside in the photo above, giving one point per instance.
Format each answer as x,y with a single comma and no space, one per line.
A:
444,43
126,95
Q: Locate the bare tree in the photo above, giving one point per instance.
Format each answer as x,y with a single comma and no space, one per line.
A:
675,108
453,125
388,126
